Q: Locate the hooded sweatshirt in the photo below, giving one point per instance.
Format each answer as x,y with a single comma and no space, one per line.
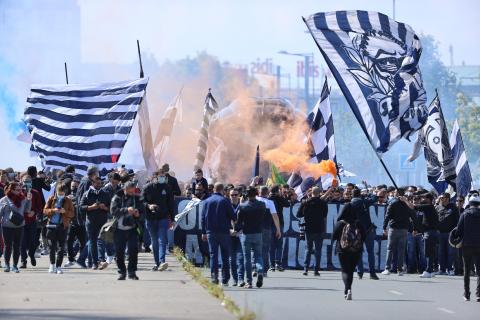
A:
469,227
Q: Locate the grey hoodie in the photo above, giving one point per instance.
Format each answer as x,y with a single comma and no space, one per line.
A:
7,206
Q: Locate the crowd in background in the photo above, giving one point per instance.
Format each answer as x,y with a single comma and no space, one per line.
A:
94,221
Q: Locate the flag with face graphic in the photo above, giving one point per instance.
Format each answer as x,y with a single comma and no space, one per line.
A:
374,60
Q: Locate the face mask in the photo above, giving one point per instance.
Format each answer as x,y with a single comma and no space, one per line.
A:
198,194
61,197
162,180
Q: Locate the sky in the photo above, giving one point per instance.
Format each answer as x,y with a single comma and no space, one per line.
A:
36,37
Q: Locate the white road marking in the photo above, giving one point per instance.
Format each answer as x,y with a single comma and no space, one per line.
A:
446,310
396,292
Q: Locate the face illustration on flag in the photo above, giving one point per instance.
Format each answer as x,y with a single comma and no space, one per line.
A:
375,62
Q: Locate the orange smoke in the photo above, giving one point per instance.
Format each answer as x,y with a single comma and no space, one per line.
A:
292,155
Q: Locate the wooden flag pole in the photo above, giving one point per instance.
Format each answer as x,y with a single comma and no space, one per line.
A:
140,59
66,72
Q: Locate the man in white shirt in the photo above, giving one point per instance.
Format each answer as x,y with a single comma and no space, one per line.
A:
269,223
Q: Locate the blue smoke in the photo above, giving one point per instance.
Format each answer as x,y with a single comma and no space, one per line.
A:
8,102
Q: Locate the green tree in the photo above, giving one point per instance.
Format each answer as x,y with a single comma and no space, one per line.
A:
468,114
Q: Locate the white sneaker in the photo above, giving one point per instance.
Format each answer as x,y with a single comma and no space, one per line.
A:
69,264
37,255
163,266
349,295
426,274
52,269
386,272
59,271
451,273
109,259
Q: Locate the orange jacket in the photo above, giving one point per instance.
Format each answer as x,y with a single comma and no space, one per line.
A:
50,210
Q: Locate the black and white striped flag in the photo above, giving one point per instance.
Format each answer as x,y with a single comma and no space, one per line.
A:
464,176
82,125
209,109
374,60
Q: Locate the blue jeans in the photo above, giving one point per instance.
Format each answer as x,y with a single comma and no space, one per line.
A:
223,241
276,249
236,260
28,243
312,239
93,230
416,253
266,240
252,242
431,244
158,234
446,253
103,248
369,245
397,241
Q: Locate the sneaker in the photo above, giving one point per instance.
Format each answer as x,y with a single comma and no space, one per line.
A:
52,269
426,274
386,272
466,296
242,284
401,273
23,265
272,269
69,264
103,265
122,276
44,252
254,273
215,281
225,284
59,270
451,273
132,276
6,268
279,268
110,259
38,255
349,295
33,261
373,276
95,267
235,284
249,286
15,269
82,265
316,274
163,266
478,299
305,273
155,268
260,281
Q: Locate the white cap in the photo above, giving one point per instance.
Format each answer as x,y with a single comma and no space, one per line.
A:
475,199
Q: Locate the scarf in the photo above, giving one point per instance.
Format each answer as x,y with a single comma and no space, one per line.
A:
16,199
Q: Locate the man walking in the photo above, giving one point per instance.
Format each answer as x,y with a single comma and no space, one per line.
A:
217,217
447,220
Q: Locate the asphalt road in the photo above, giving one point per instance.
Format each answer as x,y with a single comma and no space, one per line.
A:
290,295
85,294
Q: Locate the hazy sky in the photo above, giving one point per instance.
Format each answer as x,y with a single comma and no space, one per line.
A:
37,36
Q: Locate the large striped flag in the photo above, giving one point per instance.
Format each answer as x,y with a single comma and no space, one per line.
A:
374,60
464,176
82,125
436,147
209,108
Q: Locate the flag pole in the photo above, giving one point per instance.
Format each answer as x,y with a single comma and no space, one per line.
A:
66,72
140,59
361,125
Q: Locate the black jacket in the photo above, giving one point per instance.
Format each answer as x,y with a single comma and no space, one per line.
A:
447,218
315,212
250,216
98,216
399,216
280,203
361,208
469,228
162,196
430,217
173,183
119,208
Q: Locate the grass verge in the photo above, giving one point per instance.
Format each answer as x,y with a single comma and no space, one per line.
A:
213,289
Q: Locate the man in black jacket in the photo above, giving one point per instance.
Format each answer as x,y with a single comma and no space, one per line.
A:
468,230
129,211
280,202
158,200
95,204
447,220
430,230
399,216
171,181
314,210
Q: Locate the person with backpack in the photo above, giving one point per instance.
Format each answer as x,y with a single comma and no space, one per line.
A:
349,234
468,230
